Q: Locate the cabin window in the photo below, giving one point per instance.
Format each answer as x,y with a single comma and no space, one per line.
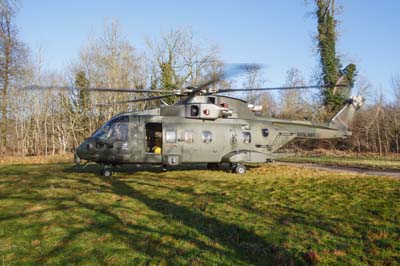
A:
170,136
206,136
211,100
246,137
265,132
194,110
189,136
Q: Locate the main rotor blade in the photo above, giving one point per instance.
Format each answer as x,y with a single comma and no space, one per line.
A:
236,69
139,100
67,88
208,83
279,88
126,90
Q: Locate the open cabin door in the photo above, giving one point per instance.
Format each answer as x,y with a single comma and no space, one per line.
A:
153,142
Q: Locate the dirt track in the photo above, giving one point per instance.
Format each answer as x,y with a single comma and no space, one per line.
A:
374,172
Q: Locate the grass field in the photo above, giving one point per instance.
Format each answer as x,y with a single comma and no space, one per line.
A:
371,162
52,214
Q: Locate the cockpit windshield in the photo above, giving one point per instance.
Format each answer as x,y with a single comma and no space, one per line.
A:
114,130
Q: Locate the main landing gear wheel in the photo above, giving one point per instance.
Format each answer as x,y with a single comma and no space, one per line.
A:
239,169
106,172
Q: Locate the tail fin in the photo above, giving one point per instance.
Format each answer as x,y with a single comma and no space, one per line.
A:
343,120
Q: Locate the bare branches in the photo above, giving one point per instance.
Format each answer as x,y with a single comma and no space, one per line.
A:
13,59
188,60
396,89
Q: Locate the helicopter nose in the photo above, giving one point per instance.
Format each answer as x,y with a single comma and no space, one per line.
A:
79,151
84,149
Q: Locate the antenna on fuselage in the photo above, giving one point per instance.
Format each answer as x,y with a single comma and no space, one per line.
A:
163,102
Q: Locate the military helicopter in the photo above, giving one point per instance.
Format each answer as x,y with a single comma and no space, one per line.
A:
203,126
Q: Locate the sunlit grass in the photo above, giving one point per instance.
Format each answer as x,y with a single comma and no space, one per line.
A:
359,161
53,214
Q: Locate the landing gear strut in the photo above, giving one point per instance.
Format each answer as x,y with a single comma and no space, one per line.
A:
239,169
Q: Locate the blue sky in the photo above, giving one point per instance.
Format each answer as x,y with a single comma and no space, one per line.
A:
278,34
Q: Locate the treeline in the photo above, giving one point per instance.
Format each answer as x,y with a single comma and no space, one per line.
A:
57,115
376,129
45,120
376,126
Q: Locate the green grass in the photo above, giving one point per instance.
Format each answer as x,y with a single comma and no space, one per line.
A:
274,215
359,161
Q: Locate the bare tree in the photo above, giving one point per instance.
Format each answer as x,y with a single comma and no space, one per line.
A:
293,103
396,89
268,103
13,57
108,61
253,79
178,59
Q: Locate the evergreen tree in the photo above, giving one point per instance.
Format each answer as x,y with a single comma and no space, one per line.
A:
167,76
333,98
168,80
82,83
82,103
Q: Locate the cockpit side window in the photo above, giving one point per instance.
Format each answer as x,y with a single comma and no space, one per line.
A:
119,132
115,129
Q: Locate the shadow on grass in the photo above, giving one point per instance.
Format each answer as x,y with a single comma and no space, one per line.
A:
243,244
247,246
140,241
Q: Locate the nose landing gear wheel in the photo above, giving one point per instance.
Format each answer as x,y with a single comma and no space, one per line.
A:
106,172
239,169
